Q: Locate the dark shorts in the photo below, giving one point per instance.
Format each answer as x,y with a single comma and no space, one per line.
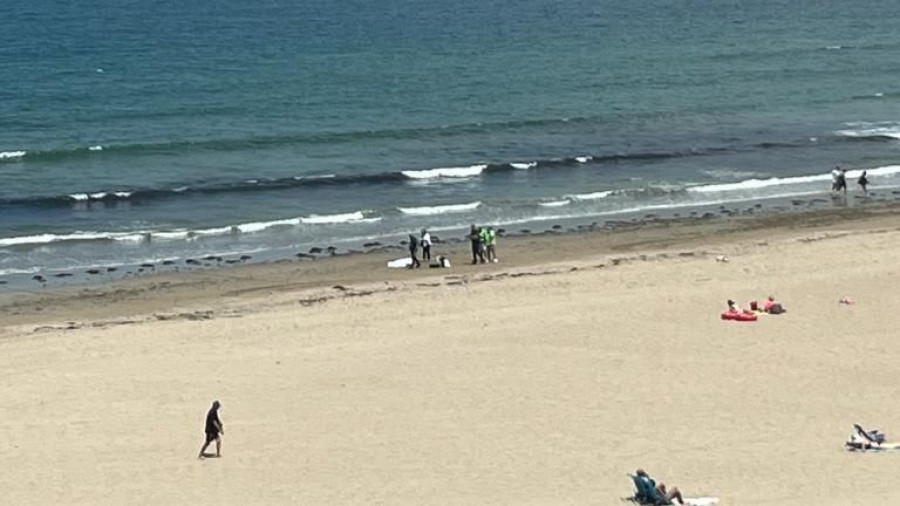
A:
211,436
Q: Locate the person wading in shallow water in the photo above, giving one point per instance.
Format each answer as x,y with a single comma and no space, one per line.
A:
863,183
213,430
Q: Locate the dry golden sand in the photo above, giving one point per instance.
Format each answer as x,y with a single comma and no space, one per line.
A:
527,382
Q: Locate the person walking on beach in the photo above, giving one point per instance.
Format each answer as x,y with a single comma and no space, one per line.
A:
213,430
413,249
863,182
477,250
426,245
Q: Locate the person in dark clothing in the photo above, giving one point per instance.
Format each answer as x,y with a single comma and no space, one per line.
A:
413,249
213,430
863,182
648,492
477,246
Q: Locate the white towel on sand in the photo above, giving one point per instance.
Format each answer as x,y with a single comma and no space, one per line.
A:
701,501
400,263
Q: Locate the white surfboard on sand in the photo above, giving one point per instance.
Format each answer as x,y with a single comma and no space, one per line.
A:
400,263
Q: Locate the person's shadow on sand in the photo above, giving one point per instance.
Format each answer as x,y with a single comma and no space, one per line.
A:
209,456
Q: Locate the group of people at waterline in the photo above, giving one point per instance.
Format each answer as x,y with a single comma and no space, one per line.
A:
484,247
839,181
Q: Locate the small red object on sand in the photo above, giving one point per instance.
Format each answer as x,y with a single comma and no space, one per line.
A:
847,300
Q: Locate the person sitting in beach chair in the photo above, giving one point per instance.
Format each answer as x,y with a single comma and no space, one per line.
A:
862,439
648,492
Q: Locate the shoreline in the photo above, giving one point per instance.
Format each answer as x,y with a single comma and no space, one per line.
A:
145,261
203,291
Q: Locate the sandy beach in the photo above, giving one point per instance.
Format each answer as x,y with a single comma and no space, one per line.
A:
539,380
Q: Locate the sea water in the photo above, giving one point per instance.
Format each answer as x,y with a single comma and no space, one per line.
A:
135,132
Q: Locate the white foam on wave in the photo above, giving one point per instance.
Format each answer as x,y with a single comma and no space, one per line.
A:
185,234
214,231
80,197
523,166
555,203
445,172
322,176
330,219
869,129
583,159
172,235
248,228
180,189
7,272
432,210
95,148
753,184
591,196
732,174
75,236
12,154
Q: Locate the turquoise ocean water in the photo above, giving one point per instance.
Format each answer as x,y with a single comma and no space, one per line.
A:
142,131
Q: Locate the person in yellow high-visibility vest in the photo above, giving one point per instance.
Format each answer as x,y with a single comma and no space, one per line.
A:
491,245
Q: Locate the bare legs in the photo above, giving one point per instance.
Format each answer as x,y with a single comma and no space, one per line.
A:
671,494
209,440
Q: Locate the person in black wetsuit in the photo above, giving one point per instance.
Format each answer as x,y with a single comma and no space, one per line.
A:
863,182
477,245
213,430
413,249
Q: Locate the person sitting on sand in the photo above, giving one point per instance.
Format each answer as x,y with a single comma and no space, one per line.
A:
732,308
213,430
862,439
773,307
648,492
